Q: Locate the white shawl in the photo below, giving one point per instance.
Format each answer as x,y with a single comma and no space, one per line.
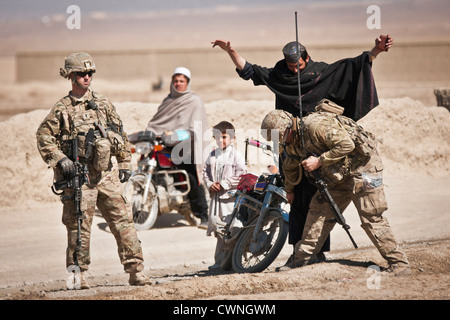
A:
181,111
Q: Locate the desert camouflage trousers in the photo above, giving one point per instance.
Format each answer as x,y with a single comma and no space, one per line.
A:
365,189
106,195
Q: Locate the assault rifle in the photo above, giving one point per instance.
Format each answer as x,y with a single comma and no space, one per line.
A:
76,182
339,218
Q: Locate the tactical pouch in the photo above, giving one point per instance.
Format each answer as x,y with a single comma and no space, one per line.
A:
365,143
329,106
116,142
293,172
335,173
102,154
85,140
81,144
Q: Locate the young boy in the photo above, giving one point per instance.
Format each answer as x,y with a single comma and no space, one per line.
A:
221,173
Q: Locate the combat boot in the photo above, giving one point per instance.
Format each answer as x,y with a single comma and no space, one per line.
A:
397,269
138,279
83,282
77,281
292,263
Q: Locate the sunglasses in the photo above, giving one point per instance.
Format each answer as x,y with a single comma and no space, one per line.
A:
83,74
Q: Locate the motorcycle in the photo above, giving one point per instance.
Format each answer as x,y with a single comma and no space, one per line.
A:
158,186
258,225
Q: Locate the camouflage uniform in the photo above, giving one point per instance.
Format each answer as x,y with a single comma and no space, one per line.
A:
352,168
71,118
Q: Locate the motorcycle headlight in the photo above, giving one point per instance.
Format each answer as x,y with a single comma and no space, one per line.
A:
143,147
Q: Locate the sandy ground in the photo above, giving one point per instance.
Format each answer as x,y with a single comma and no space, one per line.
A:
414,143
33,258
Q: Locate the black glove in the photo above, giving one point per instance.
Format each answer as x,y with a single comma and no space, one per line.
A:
68,167
124,175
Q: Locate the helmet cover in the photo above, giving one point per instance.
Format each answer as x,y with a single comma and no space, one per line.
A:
277,120
77,62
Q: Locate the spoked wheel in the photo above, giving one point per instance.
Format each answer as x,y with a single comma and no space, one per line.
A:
144,214
256,256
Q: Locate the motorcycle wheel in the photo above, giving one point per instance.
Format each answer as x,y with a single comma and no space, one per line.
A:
144,215
269,244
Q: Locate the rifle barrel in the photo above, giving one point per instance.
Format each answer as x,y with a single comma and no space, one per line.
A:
322,186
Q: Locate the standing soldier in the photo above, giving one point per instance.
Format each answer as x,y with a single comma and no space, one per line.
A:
90,119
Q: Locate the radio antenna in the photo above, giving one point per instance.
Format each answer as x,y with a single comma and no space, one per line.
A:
299,101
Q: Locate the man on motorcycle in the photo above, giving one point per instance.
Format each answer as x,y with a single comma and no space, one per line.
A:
72,119
183,109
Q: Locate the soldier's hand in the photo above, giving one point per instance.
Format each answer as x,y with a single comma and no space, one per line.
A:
311,164
124,175
68,167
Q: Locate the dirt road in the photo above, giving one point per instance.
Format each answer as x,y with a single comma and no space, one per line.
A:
177,256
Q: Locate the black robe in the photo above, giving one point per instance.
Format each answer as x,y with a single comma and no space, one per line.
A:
348,82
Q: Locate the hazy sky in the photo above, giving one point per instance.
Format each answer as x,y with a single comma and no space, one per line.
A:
41,24
36,8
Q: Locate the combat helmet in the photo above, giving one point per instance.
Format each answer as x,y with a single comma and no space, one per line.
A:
77,62
275,120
